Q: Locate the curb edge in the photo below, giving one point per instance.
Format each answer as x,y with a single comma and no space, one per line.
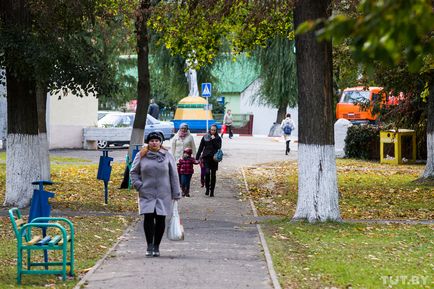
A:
98,264
268,259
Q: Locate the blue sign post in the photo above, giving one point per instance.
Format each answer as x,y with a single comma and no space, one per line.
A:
206,92
135,151
206,89
104,171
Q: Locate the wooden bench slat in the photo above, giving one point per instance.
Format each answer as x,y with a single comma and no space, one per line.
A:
54,240
68,238
19,222
44,241
33,241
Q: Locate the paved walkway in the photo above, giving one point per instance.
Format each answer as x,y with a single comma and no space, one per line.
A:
221,249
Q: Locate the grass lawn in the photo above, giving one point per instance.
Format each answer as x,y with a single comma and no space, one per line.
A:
76,188
348,255
91,243
368,190
52,158
351,255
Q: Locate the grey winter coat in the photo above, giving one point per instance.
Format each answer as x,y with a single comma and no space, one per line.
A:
156,179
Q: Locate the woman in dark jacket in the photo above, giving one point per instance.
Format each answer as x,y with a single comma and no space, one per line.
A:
210,143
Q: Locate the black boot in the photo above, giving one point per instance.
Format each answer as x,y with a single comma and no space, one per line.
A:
207,181
156,252
187,193
212,186
150,250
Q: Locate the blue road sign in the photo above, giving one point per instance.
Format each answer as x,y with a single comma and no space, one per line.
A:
206,89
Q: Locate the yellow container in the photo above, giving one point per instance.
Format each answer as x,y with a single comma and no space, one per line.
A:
192,108
396,138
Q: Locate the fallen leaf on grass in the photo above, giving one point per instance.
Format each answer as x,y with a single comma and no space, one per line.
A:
86,270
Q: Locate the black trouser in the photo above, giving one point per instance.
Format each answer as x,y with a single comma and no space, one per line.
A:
210,178
229,130
154,225
287,146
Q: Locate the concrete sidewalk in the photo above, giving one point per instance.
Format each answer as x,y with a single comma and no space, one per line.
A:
221,248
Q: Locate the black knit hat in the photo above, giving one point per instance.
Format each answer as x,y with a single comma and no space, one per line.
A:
154,135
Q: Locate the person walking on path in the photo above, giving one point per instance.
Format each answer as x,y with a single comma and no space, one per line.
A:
227,121
182,140
287,127
154,109
209,145
154,175
186,170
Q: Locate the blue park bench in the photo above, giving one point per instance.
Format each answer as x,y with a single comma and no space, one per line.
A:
28,241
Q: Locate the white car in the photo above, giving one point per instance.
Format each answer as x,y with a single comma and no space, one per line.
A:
126,119
102,113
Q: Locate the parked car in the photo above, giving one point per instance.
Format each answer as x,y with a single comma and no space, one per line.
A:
126,120
102,113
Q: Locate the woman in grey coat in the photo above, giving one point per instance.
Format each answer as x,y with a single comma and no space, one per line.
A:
154,175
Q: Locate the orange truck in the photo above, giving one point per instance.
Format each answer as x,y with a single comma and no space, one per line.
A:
349,104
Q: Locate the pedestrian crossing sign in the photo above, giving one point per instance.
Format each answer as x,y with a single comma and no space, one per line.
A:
206,89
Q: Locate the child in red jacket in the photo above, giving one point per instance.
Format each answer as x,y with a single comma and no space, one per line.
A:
186,170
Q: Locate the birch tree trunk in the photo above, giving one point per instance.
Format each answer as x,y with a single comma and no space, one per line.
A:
143,84
429,168
317,181
44,158
22,146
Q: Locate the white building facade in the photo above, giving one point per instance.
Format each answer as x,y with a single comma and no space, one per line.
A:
66,117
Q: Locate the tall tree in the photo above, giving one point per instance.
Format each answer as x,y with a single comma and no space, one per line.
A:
44,45
143,14
22,117
248,24
317,182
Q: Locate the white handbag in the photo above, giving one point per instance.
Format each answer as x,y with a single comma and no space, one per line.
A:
175,232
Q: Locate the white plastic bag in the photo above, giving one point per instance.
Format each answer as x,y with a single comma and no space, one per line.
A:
175,232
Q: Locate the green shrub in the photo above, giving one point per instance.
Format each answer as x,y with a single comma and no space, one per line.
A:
363,142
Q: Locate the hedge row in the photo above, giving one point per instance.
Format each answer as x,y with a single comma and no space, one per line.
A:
363,142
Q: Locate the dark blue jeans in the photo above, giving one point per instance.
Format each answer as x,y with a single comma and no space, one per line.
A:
185,181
